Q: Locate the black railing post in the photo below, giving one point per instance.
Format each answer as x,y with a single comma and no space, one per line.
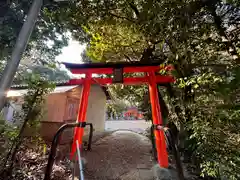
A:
90,136
154,153
176,155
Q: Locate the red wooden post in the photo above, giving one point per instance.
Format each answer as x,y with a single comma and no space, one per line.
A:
82,112
157,120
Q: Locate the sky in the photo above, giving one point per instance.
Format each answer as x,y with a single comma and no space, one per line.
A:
71,53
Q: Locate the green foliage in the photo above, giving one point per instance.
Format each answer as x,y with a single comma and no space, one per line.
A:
132,96
115,42
34,100
213,131
115,109
32,112
50,73
216,132
200,38
8,131
12,15
46,41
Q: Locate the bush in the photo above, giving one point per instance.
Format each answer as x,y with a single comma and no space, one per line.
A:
7,135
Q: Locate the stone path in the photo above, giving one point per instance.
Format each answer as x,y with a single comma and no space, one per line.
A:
121,155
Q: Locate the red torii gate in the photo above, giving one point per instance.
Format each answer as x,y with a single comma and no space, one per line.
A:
151,78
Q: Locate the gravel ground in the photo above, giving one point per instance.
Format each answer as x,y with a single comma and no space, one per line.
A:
121,155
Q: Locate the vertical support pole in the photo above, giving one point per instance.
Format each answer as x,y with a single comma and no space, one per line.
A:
157,120
82,112
20,46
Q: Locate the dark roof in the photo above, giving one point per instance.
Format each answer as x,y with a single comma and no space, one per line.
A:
108,65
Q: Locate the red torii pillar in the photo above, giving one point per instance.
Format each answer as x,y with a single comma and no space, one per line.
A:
157,121
82,112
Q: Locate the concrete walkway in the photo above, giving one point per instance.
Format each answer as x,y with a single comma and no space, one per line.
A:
135,125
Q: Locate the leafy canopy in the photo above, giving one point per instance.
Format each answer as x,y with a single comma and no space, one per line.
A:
200,38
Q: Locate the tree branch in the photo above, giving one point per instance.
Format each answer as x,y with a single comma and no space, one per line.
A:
211,6
121,17
134,8
128,58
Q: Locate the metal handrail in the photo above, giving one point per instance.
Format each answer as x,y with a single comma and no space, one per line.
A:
55,143
81,175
